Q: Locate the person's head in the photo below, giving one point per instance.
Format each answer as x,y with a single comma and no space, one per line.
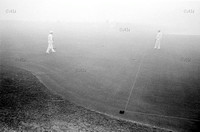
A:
50,32
158,30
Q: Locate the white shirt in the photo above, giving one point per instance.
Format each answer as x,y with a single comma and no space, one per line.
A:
159,36
50,38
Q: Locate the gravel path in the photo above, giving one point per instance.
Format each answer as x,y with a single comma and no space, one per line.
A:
27,105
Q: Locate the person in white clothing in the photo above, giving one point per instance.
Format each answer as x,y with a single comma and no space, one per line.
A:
50,42
158,40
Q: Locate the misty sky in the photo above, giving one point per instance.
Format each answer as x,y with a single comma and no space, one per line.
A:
160,12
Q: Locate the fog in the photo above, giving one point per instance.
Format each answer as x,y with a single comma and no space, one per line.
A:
105,57
180,16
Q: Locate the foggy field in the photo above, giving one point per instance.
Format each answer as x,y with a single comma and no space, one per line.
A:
96,64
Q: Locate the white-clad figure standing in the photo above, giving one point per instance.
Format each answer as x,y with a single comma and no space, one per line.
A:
50,42
158,40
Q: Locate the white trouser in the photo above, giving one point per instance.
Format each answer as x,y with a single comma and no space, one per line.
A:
50,47
157,44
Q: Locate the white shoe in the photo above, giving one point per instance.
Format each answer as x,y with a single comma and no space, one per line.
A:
47,52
